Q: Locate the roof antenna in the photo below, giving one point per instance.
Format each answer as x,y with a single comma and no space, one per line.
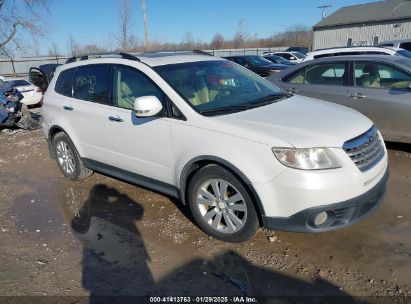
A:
324,7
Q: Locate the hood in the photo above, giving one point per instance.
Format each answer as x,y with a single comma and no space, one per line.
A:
300,121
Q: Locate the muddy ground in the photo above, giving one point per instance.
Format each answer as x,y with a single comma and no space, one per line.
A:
137,242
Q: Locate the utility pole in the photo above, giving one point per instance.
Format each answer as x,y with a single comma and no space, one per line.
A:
323,8
143,5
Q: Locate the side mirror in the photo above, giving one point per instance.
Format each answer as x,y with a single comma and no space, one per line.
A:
147,106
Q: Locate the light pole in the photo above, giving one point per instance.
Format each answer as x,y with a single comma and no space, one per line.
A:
143,5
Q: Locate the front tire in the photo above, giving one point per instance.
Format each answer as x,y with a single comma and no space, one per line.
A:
221,205
68,159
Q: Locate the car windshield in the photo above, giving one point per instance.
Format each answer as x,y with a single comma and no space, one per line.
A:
298,55
258,60
404,53
18,83
219,86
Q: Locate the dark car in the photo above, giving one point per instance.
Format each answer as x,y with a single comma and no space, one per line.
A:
378,86
258,64
278,60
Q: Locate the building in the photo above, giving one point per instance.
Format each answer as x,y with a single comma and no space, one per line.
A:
364,24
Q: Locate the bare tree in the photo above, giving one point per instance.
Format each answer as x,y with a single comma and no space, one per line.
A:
53,50
217,42
188,41
240,35
127,40
22,17
72,46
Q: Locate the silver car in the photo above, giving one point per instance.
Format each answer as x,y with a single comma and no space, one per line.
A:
378,86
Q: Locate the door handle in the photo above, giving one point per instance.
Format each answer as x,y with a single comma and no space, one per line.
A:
68,108
357,95
292,91
115,118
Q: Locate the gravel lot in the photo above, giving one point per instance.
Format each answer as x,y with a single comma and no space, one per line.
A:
137,242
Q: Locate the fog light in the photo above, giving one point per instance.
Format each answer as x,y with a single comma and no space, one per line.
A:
320,218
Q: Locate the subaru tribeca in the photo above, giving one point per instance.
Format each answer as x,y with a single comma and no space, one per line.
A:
235,149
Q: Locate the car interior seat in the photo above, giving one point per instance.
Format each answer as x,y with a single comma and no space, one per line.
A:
370,77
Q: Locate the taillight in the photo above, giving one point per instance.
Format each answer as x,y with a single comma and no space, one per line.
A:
41,101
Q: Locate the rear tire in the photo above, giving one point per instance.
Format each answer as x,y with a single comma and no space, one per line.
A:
68,159
221,205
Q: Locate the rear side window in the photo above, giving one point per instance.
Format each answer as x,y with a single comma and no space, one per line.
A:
381,76
64,83
92,83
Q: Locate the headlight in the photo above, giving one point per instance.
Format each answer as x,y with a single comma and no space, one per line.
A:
307,159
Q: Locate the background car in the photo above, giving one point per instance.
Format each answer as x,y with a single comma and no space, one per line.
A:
278,60
377,86
403,44
258,64
357,50
295,57
31,94
301,49
42,75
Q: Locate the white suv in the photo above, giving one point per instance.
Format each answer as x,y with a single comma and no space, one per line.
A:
237,150
357,50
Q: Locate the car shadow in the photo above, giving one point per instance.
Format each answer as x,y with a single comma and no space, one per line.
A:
397,146
116,264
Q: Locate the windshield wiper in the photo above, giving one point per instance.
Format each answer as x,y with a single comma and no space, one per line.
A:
271,97
225,110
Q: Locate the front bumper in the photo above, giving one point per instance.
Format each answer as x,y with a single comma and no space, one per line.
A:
339,215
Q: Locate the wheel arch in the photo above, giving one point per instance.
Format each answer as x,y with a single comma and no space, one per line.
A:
53,130
199,162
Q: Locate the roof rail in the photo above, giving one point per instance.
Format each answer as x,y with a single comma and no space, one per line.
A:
102,55
187,52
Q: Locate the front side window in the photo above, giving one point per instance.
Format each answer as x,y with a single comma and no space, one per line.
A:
92,83
130,84
322,74
381,76
219,86
64,83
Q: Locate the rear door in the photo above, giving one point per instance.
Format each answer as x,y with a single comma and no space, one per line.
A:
380,91
326,81
86,112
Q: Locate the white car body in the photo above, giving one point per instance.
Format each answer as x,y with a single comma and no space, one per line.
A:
357,50
31,94
242,141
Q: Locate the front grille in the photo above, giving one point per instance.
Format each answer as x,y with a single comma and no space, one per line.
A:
365,150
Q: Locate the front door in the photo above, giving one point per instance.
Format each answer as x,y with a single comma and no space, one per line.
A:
139,145
326,81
